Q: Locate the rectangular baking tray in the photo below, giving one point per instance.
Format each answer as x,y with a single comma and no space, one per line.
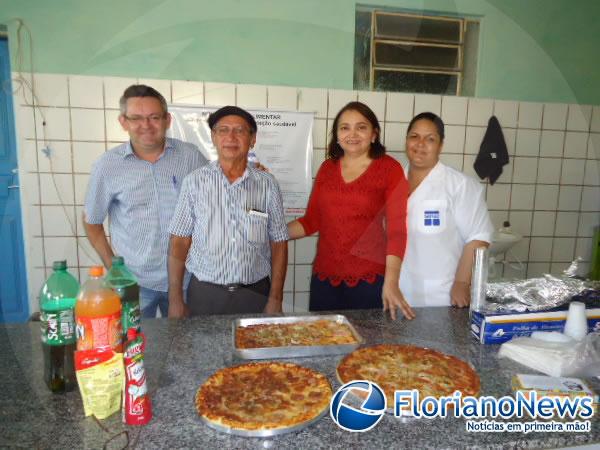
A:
294,351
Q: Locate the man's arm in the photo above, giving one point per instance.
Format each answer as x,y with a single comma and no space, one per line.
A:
279,256
97,237
179,247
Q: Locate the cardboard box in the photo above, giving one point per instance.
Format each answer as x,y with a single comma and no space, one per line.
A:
496,328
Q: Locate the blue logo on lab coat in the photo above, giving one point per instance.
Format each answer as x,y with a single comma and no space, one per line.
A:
432,218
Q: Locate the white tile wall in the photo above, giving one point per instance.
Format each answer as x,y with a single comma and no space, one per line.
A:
549,170
480,111
530,115
576,144
552,143
594,146
400,107
555,116
219,94
51,90
87,124
86,92
543,223
550,191
113,89
528,143
454,110
251,96
338,99
188,92
579,117
522,196
282,98
506,112
313,100
84,155
454,141
375,101
431,103
59,158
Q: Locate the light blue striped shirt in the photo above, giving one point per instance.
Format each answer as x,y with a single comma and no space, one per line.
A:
231,224
140,197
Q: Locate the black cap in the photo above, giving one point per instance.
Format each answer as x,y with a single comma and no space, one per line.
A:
232,111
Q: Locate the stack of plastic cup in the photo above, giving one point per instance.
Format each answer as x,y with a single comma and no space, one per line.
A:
576,325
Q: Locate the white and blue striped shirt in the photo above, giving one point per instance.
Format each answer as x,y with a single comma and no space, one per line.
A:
140,197
231,224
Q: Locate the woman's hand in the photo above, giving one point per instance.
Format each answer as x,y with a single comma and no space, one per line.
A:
460,294
393,298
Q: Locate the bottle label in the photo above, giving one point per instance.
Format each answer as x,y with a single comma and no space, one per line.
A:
99,332
58,327
131,315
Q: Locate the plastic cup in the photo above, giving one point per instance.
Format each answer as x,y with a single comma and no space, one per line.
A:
576,325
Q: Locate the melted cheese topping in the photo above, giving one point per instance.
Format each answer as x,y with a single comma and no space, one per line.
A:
263,396
405,367
319,332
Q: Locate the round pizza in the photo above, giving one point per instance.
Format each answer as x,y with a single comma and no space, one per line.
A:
406,367
263,396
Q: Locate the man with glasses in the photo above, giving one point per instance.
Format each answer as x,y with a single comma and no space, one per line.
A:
136,185
228,229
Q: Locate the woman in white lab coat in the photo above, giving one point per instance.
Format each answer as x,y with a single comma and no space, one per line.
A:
447,220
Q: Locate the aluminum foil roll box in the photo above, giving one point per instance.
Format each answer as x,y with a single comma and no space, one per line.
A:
496,328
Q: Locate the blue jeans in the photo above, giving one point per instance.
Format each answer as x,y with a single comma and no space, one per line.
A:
151,300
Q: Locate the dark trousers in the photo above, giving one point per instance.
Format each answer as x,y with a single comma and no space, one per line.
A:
326,297
207,298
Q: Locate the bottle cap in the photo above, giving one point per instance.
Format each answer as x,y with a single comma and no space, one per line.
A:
96,271
118,260
59,265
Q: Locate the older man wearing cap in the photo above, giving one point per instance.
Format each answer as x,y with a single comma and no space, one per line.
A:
228,229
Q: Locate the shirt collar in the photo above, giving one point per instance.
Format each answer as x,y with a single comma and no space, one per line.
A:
215,166
128,148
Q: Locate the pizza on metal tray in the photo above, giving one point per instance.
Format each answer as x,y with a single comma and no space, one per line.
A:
263,396
405,367
319,332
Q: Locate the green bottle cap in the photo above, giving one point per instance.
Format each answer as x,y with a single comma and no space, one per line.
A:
59,265
118,260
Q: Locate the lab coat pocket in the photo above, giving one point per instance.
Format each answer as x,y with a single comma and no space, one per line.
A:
432,216
257,227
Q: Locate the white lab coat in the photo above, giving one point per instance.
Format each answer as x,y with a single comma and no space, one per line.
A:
446,211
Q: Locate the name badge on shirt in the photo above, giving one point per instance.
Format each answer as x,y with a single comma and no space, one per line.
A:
431,219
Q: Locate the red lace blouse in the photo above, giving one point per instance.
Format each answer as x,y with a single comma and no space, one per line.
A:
359,223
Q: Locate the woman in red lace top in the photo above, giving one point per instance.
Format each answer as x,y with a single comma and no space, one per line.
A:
358,207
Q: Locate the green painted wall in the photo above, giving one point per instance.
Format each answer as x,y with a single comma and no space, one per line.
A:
539,50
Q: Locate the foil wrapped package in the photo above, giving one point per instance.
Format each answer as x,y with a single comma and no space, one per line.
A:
534,294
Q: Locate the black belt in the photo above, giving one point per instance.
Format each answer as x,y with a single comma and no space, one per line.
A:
232,287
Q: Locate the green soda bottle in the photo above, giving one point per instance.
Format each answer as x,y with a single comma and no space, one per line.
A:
124,283
57,300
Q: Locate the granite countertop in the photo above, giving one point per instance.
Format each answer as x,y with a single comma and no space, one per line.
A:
181,354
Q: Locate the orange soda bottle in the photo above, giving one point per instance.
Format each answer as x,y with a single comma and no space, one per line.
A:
98,314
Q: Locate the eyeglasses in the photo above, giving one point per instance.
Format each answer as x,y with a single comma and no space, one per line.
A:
225,130
152,118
